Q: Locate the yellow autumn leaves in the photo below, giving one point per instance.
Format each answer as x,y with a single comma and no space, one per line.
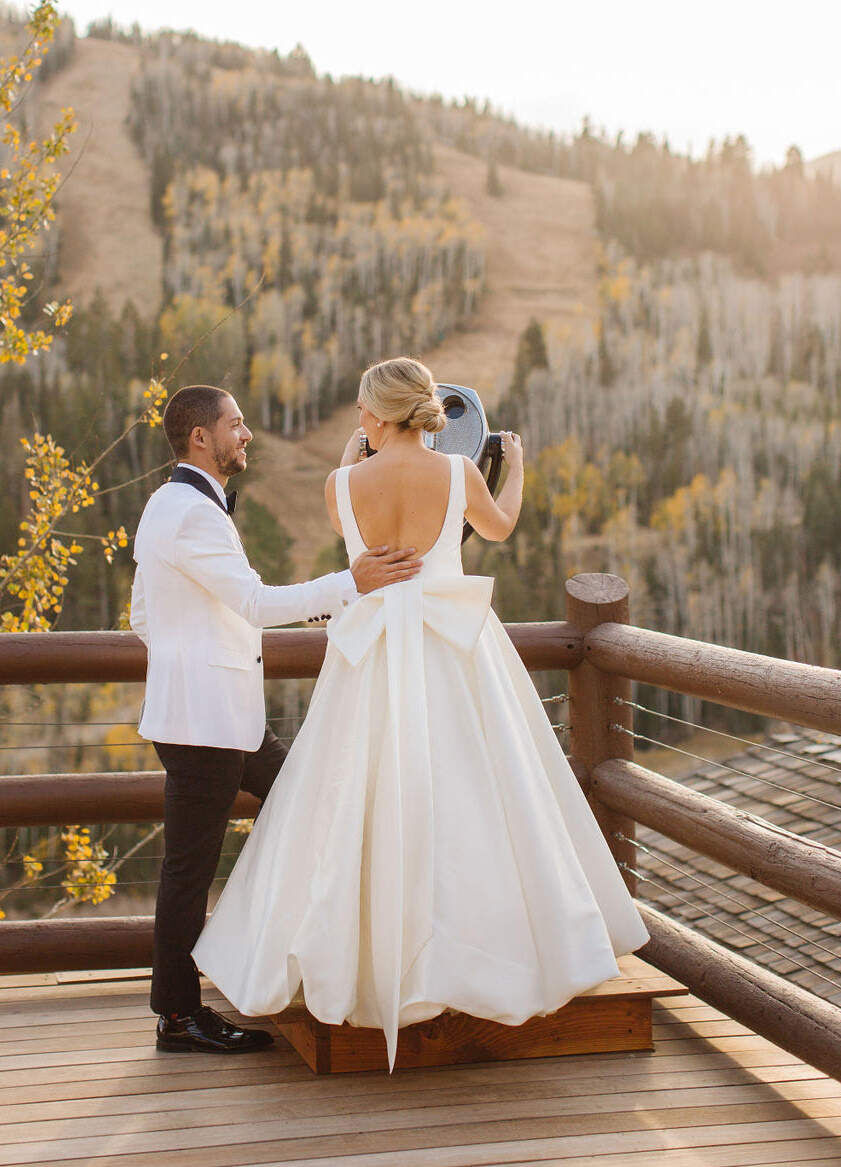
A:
88,880
86,877
28,186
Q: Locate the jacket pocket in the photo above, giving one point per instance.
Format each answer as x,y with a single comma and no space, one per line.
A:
227,656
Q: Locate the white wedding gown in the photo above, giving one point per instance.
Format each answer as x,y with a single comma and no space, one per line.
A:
426,844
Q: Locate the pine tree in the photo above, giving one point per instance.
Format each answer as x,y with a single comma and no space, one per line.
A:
493,186
531,354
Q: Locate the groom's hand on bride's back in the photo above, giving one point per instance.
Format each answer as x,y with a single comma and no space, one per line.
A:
380,566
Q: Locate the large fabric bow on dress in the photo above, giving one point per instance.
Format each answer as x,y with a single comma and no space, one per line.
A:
399,841
455,607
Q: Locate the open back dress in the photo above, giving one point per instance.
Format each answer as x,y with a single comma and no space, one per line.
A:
426,845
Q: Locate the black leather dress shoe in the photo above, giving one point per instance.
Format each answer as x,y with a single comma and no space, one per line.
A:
206,1031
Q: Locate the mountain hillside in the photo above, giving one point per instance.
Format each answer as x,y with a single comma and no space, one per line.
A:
108,238
540,254
538,238
662,328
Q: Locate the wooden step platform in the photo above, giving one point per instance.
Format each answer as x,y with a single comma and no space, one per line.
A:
613,1016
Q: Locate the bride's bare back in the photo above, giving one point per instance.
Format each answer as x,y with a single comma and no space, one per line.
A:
401,500
400,497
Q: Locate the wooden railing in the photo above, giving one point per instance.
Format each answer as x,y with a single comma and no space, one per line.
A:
603,654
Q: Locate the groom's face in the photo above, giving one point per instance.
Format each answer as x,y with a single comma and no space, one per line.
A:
229,437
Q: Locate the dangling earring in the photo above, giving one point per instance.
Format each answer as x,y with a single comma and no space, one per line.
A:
380,424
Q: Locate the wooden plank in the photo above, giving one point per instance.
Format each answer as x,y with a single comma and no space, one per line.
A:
288,1079
113,1056
92,1035
214,1127
73,994
638,977
208,1106
704,1157
88,1009
823,1151
136,1013
100,976
103,976
671,1015
681,1030
158,1075
26,980
133,1032
507,1140
135,1016
137,1062
135,1096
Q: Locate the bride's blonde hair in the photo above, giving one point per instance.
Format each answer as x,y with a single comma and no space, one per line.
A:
402,390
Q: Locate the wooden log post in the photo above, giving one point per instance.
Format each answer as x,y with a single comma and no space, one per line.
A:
593,600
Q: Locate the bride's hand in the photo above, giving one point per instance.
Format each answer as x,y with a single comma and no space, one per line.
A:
353,450
512,449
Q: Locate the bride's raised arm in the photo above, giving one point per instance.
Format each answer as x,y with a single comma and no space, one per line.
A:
351,454
332,503
495,519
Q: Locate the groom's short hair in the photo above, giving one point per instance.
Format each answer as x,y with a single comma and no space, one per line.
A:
191,406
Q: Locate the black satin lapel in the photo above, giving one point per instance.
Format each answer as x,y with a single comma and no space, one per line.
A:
184,474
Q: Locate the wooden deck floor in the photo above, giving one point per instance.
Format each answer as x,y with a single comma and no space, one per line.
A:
81,1083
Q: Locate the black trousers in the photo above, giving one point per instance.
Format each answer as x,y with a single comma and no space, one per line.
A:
201,785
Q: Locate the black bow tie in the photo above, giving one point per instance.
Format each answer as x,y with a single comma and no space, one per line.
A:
231,500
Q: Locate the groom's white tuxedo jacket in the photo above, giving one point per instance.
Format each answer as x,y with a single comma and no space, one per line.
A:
200,609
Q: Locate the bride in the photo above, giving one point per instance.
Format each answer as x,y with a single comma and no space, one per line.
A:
426,845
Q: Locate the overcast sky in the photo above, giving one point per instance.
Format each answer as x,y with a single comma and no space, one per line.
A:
766,68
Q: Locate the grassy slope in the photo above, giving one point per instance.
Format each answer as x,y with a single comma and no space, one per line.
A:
108,238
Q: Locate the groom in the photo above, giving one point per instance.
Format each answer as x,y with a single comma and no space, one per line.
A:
200,610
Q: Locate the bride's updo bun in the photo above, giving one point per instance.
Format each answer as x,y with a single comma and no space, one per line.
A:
402,390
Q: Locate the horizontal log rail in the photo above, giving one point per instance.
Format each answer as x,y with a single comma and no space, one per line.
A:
798,1021
801,868
96,942
28,658
81,943
806,694
132,796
